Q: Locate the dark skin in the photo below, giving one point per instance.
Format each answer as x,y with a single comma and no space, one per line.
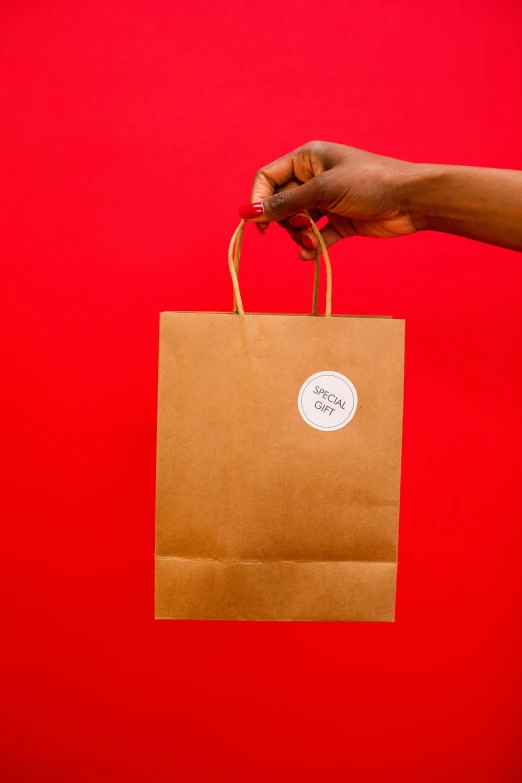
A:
374,196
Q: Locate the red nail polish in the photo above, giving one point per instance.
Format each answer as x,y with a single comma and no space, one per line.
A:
307,241
251,211
299,221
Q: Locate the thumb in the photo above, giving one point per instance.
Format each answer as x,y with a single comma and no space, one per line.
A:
309,195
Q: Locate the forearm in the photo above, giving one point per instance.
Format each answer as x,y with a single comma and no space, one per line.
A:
478,203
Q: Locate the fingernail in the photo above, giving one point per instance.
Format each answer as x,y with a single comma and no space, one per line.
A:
251,211
308,241
300,257
261,227
300,221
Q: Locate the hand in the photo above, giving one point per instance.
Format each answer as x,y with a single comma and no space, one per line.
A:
360,193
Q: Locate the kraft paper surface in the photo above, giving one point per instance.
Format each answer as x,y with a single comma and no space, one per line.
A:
259,515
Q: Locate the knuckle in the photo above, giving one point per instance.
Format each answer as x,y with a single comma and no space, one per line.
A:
277,204
315,147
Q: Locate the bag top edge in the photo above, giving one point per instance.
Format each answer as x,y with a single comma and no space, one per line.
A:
287,315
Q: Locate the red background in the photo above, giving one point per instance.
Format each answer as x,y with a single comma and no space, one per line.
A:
131,132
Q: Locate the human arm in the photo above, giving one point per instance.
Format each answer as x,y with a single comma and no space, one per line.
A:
372,195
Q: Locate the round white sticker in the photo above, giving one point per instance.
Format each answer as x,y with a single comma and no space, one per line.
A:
327,401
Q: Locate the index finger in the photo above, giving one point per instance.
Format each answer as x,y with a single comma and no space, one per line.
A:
271,177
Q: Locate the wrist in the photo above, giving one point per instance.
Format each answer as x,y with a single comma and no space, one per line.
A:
428,195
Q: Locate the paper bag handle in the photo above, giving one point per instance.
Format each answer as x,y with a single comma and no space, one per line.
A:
234,255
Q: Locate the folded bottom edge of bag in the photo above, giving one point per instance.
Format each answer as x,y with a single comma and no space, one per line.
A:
284,590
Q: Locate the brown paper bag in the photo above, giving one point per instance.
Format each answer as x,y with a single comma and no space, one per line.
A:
278,468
